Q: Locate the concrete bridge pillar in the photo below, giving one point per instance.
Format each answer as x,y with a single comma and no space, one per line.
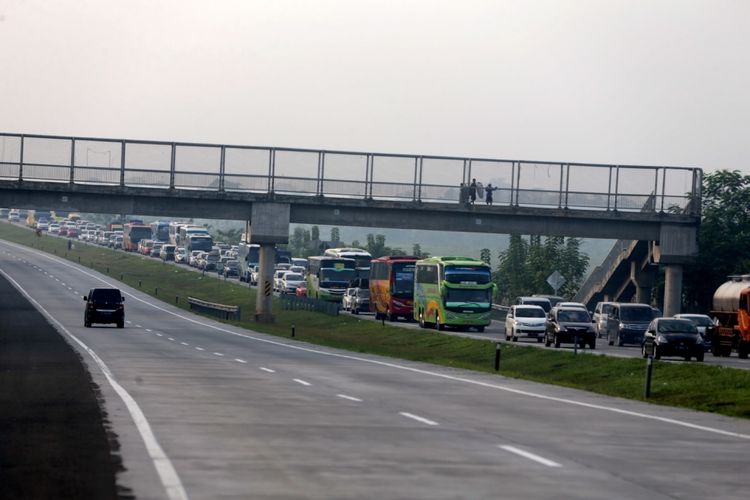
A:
269,225
643,278
264,295
672,289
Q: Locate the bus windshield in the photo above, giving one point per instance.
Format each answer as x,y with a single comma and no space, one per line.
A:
403,280
329,275
473,275
460,297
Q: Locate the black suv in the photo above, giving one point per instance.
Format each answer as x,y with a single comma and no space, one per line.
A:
568,324
104,305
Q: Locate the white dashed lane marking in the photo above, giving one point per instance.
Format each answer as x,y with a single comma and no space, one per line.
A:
300,381
529,455
350,398
218,354
267,369
240,360
199,349
417,418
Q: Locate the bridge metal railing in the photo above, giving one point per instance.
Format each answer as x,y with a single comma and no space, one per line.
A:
344,174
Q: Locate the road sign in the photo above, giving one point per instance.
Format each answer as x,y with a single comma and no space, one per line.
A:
556,280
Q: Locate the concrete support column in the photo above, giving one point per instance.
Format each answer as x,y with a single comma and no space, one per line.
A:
643,277
263,312
672,289
269,225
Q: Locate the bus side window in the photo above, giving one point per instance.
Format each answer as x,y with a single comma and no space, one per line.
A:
743,302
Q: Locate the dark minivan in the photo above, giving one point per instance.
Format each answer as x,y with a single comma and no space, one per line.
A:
104,305
627,323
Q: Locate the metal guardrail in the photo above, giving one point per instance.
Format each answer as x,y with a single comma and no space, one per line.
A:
219,310
295,303
345,174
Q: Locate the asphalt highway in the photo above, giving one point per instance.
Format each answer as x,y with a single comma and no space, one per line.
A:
206,410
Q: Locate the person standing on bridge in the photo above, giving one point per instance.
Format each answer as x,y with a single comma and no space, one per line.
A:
473,191
488,193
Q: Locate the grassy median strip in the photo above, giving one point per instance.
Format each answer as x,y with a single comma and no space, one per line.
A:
691,385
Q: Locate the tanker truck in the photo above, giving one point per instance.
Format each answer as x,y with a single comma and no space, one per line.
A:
732,313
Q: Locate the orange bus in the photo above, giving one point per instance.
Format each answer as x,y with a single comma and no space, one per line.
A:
392,287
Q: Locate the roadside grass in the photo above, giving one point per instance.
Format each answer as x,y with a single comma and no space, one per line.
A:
690,385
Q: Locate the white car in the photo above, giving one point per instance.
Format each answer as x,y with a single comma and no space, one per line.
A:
290,281
525,320
347,301
277,276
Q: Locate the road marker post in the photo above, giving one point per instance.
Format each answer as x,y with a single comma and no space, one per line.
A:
649,370
292,330
497,356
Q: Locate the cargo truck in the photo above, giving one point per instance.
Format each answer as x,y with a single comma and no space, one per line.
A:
731,310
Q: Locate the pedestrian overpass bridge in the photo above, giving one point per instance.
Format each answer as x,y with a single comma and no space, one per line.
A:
272,187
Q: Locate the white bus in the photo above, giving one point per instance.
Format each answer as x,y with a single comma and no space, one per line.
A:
187,231
361,257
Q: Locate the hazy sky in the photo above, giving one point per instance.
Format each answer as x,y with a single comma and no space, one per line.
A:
652,82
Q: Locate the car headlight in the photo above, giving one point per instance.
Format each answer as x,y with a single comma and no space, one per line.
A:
623,326
661,339
561,329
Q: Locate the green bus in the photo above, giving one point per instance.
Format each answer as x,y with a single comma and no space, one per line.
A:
329,277
453,291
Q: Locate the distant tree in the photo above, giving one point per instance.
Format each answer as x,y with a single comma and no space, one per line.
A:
335,235
416,250
573,267
356,244
524,267
723,240
297,242
511,276
315,233
485,256
231,236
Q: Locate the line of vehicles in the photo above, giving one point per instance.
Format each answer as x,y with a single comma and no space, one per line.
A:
437,292
725,329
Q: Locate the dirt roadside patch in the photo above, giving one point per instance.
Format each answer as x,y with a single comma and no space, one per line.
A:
54,438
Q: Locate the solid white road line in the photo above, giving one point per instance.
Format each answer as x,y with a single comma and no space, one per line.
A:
240,360
444,376
417,418
267,369
170,480
300,381
350,398
530,456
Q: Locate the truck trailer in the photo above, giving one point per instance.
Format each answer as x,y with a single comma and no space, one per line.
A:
731,308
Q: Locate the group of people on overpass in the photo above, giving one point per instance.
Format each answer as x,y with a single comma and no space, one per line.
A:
468,193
